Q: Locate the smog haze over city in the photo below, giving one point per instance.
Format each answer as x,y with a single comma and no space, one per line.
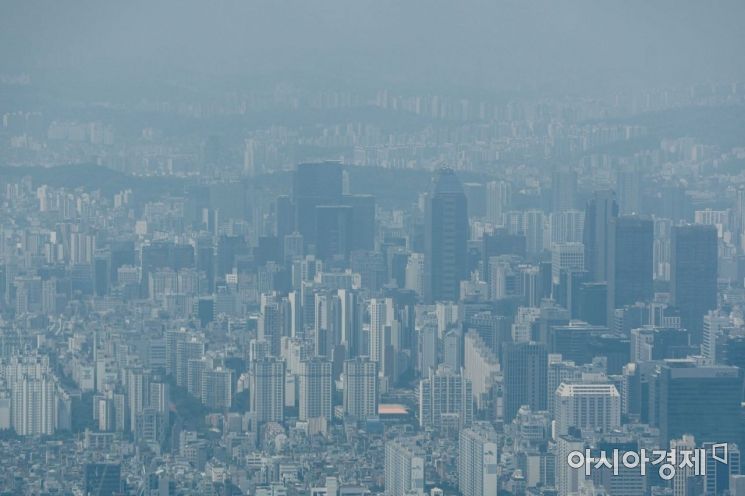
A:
372,248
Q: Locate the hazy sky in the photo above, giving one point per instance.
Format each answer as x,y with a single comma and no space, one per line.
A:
498,44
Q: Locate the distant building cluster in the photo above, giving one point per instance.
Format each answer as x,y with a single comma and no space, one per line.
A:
240,321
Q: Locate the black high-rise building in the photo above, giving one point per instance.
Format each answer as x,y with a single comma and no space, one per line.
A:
686,398
284,216
693,275
600,214
334,231
525,377
363,225
630,279
593,297
102,272
446,238
228,248
314,185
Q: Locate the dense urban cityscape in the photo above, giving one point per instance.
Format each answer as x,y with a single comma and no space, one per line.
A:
295,288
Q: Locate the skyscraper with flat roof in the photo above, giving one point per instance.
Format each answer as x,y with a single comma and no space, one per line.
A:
701,400
446,236
693,275
600,213
630,279
525,377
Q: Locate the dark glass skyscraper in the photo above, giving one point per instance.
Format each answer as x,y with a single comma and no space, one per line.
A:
525,377
446,236
314,185
334,231
704,401
600,214
693,276
631,276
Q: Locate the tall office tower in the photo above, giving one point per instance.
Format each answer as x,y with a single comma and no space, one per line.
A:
360,388
721,466
445,238
593,303
600,213
314,185
102,272
34,404
350,318
569,257
568,479
190,348
704,401
593,406
525,377
315,389
271,323
498,200
363,226
629,189
283,217
693,275
445,400
381,328
477,460
334,232
481,368
217,388
563,189
567,226
267,389
716,326
404,468
630,279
